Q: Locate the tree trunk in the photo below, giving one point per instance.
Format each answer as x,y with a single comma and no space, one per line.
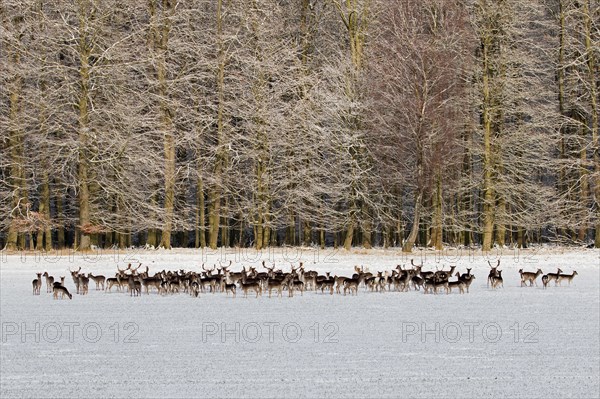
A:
200,216
500,227
85,49
488,190
367,229
592,84
414,231
15,143
584,179
44,238
307,232
436,234
225,224
60,231
349,235
562,181
322,237
214,217
159,32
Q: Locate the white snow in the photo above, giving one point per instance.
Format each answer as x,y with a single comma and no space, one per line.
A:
371,345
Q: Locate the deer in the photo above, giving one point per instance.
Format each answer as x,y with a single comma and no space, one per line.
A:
568,277
531,277
444,275
99,280
151,282
83,284
135,287
49,281
497,280
417,281
121,276
194,289
309,278
403,283
467,278
554,276
545,280
57,284
339,283
110,282
277,284
75,277
493,272
294,284
250,285
466,275
37,284
230,288
375,283
62,290
460,284
351,284
433,284
328,284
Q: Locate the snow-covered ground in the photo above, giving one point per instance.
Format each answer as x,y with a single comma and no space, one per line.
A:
512,342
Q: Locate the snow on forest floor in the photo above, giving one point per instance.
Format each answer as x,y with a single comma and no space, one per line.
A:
512,342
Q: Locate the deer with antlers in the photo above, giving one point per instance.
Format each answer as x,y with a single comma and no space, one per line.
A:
497,281
135,287
493,272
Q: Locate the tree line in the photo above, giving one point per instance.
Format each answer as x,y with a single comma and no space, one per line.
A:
299,122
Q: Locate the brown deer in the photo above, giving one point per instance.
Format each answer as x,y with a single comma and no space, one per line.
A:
49,281
568,277
493,272
75,277
59,289
99,280
37,284
529,277
497,280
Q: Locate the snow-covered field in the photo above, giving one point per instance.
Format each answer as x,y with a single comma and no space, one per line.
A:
511,342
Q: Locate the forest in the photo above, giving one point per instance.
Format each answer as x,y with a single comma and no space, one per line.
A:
257,123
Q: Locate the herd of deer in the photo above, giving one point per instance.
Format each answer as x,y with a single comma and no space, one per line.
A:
495,277
297,280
